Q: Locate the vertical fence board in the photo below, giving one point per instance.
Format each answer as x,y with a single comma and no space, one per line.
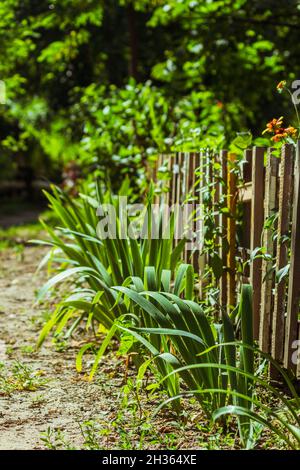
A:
180,178
179,196
174,178
246,199
203,182
268,244
294,274
284,203
223,221
247,167
185,174
216,190
155,176
186,187
165,199
231,230
189,183
168,195
257,221
195,188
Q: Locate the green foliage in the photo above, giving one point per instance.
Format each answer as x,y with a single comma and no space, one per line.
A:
119,81
96,263
219,370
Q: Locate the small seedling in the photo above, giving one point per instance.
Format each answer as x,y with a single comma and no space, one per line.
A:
37,400
54,439
20,377
27,350
60,345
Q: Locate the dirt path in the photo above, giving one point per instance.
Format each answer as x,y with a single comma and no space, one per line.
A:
112,417
67,399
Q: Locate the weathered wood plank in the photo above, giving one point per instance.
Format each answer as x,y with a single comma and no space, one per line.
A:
180,178
216,190
174,178
294,274
231,231
178,196
257,221
155,177
245,193
270,207
202,258
196,186
186,187
284,204
247,167
223,222
171,175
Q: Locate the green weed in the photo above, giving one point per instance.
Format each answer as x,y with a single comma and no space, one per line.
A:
20,377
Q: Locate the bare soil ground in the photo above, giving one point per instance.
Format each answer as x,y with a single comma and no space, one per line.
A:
64,410
67,399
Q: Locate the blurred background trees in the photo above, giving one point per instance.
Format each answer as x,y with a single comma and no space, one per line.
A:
111,83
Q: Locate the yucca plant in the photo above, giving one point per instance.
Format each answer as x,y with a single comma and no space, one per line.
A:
216,367
180,283
96,264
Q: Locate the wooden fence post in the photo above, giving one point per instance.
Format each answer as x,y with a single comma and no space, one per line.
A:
231,230
203,182
291,332
186,186
196,187
180,178
223,222
155,177
188,193
257,222
175,170
284,204
268,244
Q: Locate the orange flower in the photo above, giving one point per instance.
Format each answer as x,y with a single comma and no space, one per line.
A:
278,137
291,130
281,85
274,125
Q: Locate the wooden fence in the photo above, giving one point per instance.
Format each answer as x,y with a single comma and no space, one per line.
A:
263,211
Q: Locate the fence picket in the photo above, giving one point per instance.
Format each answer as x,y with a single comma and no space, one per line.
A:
285,185
294,273
195,188
186,186
223,221
231,230
257,221
203,182
268,244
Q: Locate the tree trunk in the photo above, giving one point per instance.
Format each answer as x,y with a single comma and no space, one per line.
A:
133,39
